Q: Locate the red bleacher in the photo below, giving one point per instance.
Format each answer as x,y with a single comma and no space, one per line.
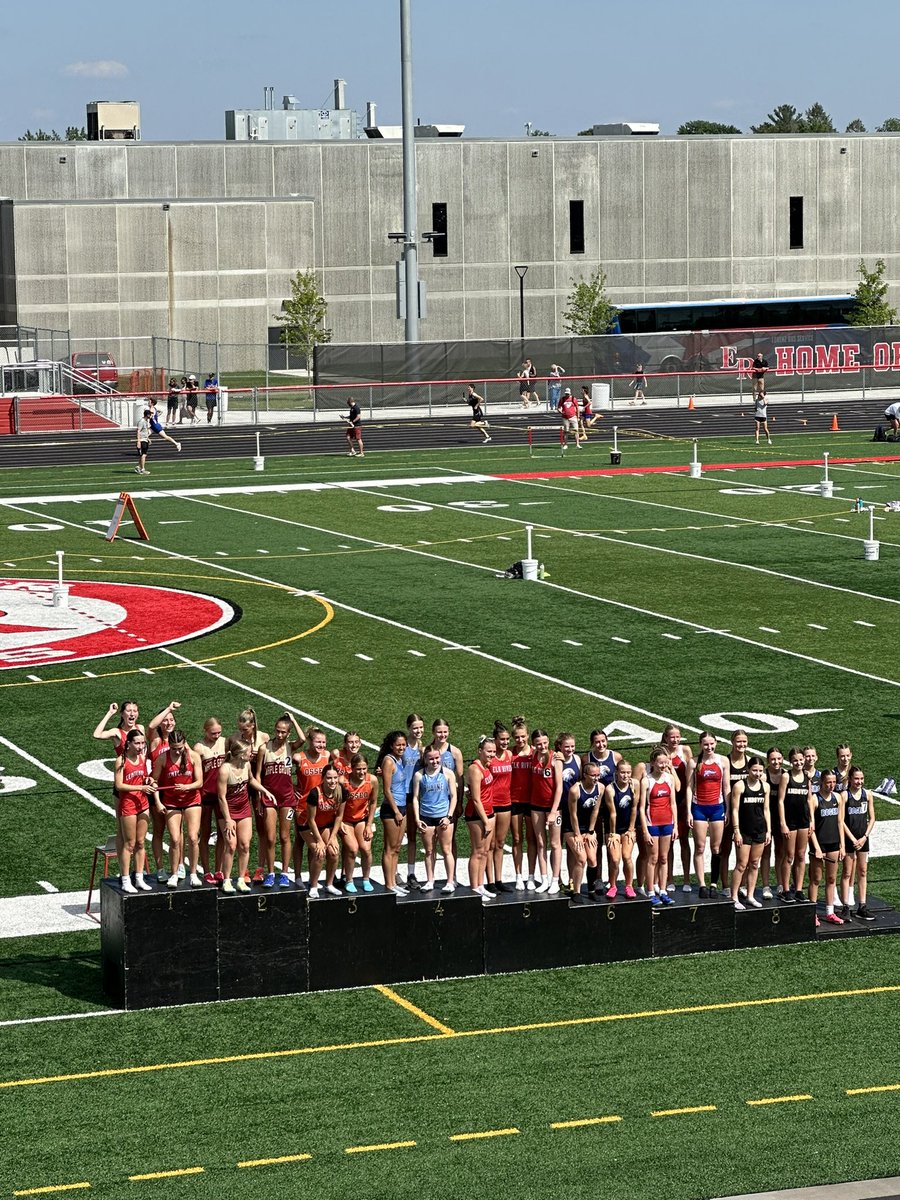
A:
48,414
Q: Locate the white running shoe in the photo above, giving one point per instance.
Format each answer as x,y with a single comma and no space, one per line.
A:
448,887
173,880
196,881
178,447
141,884
182,871
686,888
767,893
545,886
753,902
738,907
531,886
520,884
553,889
332,890
126,884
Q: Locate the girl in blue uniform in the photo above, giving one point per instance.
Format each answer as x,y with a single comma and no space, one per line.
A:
412,759
859,821
580,812
620,819
433,802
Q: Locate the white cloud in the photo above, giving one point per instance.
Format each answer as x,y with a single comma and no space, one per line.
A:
103,68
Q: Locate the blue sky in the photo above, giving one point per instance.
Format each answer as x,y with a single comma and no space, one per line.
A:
489,64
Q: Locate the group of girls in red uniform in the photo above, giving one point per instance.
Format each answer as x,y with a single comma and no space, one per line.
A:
306,800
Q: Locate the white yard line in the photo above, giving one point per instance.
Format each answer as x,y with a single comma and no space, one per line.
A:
42,766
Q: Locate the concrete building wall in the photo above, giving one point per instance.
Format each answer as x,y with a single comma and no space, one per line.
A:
668,218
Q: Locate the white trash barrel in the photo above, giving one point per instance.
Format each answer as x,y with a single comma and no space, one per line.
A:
600,395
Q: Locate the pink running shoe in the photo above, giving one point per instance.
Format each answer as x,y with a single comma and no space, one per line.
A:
833,919
611,892
630,892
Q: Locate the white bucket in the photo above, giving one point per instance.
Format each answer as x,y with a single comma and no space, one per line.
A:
61,595
529,568
259,462
870,551
695,470
600,395
826,489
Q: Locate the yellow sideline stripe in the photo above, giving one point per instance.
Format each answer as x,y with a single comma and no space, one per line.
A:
60,1187
485,1133
166,1174
382,1146
777,1100
584,1121
416,1012
376,1043
268,1162
678,1112
870,1091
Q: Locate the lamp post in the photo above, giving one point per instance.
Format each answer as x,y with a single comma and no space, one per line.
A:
522,272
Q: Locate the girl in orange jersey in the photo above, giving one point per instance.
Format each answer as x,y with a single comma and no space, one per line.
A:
179,775
480,815
658,819
133,791
361,798
211,751
275,800
235,782
325,803
308,767
342,756
520,807
501,769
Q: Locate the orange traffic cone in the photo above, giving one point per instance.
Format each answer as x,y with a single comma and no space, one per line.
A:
691,404
835,428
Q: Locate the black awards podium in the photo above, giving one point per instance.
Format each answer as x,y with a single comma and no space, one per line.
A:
159,947
188,945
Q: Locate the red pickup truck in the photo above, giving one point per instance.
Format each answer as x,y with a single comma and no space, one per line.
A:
89,367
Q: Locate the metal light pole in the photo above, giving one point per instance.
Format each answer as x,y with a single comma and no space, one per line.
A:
522,272
410,249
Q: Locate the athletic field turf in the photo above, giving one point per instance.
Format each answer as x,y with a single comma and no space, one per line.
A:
356,593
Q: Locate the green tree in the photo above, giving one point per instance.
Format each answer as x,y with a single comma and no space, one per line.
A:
855,126
817,120
870,298
303,315
589,310
72,134
783,119
586,132
889,125
707,127
539,133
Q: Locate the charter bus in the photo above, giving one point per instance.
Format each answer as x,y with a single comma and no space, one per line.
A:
782,312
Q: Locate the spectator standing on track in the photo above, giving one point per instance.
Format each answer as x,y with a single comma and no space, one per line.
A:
479,420
192,392
354,429
173,401
525,377
639,383
758,374
554,386
211,390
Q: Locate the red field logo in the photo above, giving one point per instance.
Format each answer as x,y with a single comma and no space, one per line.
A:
101,619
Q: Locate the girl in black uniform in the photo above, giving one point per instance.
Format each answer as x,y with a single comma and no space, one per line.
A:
793,814
737,769
826,842
774,772
580,812
752,830
619,820
859,820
